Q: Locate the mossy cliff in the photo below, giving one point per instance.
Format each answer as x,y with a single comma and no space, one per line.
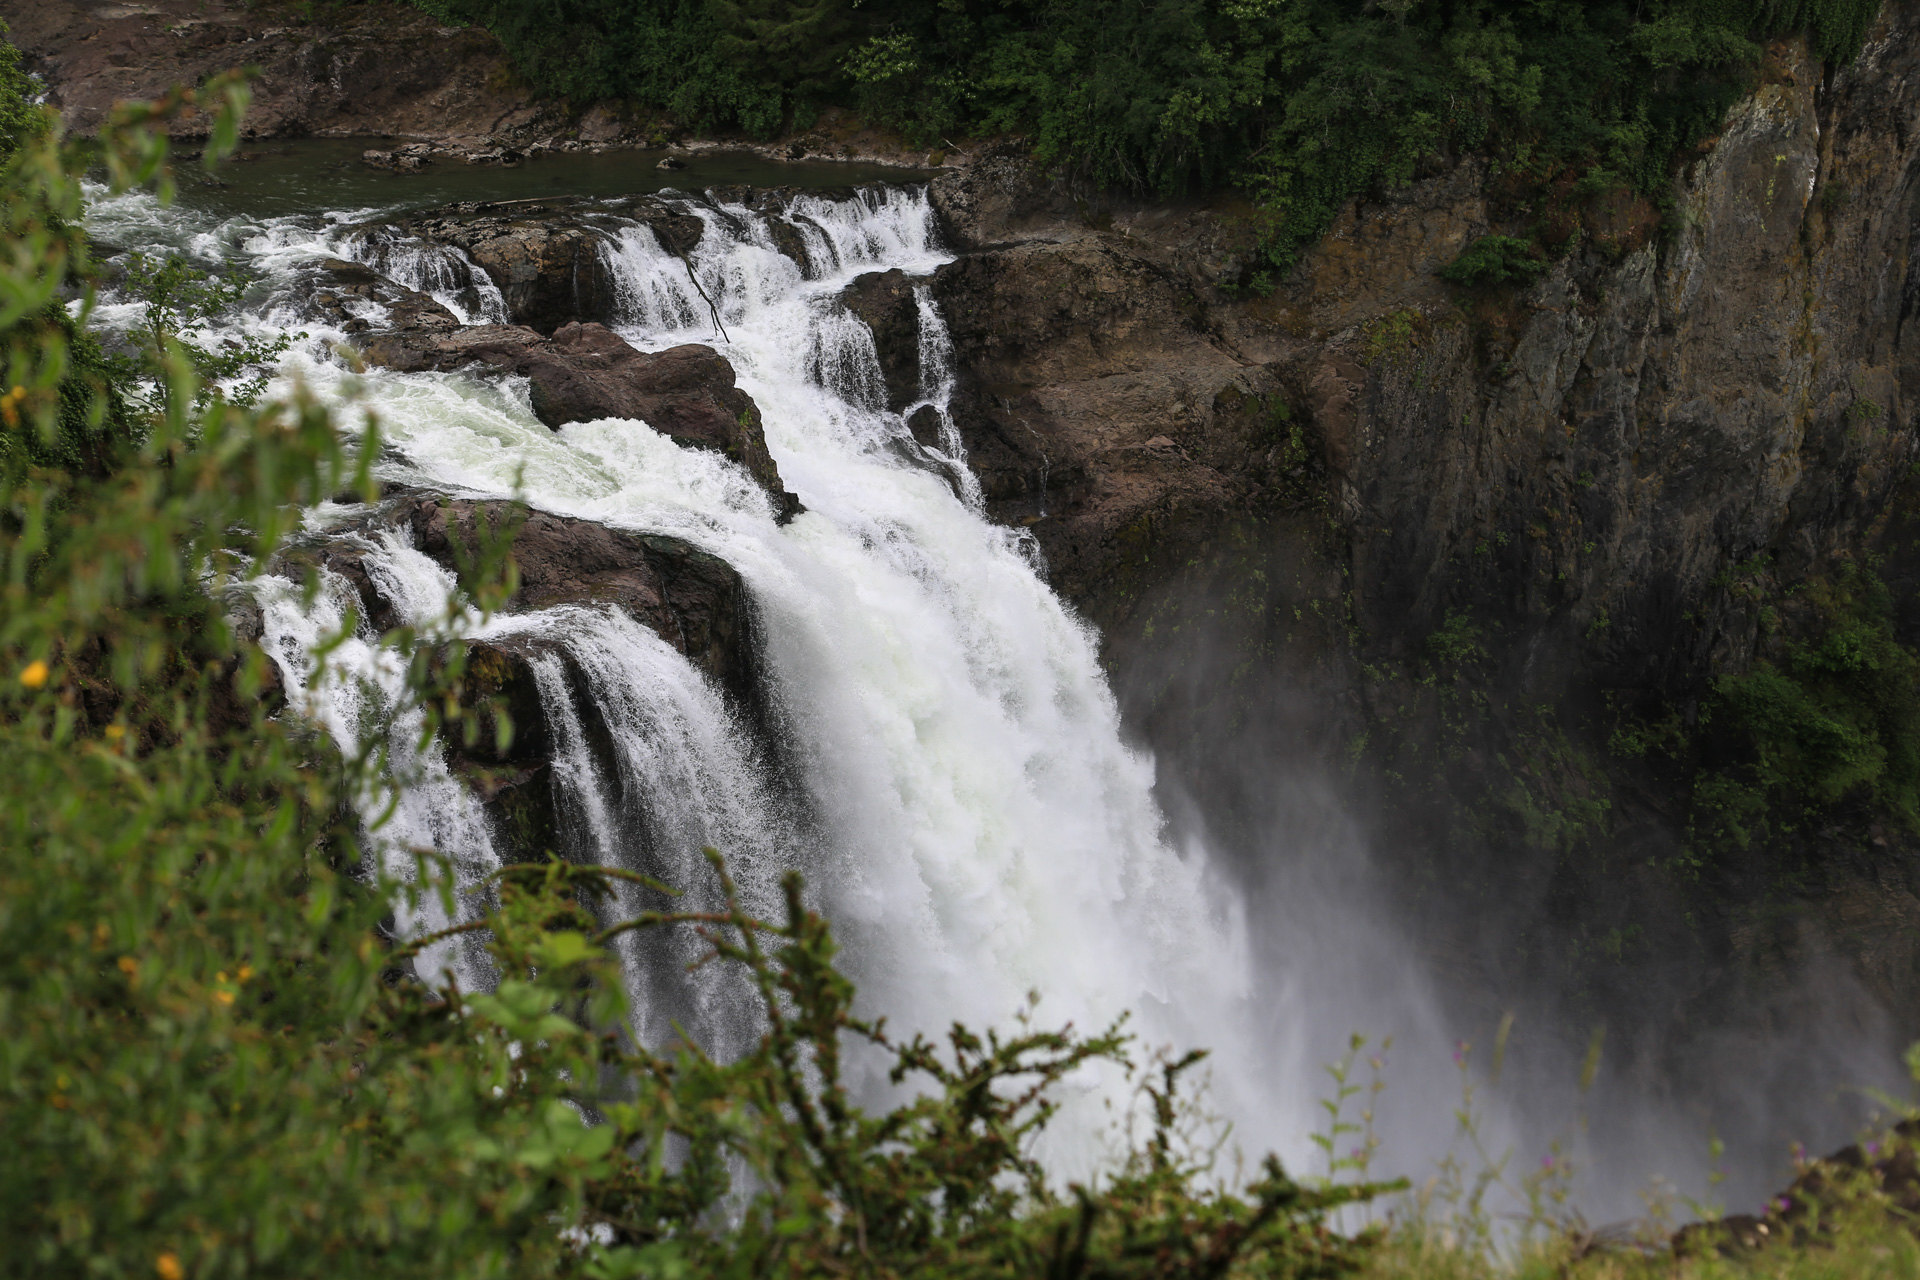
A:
1567,537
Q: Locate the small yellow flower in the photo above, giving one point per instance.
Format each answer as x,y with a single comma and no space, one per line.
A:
246,971
223,997
128,965
167,1265
115,732
35,675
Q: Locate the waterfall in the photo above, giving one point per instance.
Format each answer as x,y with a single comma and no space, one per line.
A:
358,696
964,807
937,379
442,272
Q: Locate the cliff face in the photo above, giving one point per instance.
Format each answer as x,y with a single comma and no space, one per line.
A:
1442,545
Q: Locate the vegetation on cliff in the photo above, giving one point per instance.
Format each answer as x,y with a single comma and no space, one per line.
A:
1302,103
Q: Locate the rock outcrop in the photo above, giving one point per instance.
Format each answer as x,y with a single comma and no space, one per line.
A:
693,600
353,69
1098,407
586,372
545,260
351,295
885,301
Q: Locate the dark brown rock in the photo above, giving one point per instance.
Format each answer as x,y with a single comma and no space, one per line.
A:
546,256
336,281
547,264
500,745
693,600
924,423
347,69
885,301
677,233
1076,357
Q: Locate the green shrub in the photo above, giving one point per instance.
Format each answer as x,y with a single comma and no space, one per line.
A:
1496,260
1832,717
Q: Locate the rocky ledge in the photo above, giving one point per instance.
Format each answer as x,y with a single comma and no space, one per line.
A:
545,256
693,600
585,372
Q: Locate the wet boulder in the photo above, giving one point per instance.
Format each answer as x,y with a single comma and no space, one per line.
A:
687,392
418,349
783,223
547,262
499,744
885,301
356,298
676,232
586,372
693,600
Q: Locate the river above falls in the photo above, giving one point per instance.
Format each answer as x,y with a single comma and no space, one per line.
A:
309,175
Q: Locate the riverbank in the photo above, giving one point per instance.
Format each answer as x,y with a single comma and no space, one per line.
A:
379,71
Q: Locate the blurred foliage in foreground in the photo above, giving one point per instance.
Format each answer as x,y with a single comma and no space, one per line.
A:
216,1061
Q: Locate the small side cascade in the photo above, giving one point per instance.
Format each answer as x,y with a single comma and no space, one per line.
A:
442,272
674,773
937,380
648,766
357,694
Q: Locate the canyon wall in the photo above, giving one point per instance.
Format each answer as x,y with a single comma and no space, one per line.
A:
1465,553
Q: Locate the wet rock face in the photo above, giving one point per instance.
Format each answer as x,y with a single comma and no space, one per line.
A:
693,600
546,256
547,265
1604,477
349,69
1096,406
586,371
346,293
1602,446
885,300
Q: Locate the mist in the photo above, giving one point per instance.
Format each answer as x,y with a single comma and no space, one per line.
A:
1361,925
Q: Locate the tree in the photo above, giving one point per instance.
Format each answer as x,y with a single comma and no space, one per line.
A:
180,302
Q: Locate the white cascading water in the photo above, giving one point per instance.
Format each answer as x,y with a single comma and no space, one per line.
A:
358,696
951,776
441,271
970,817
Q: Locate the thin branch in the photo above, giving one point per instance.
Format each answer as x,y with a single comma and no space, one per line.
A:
703,294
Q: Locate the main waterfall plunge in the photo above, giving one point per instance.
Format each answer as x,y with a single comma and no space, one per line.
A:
958,793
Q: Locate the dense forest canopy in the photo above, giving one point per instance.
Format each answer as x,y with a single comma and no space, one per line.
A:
1302,103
